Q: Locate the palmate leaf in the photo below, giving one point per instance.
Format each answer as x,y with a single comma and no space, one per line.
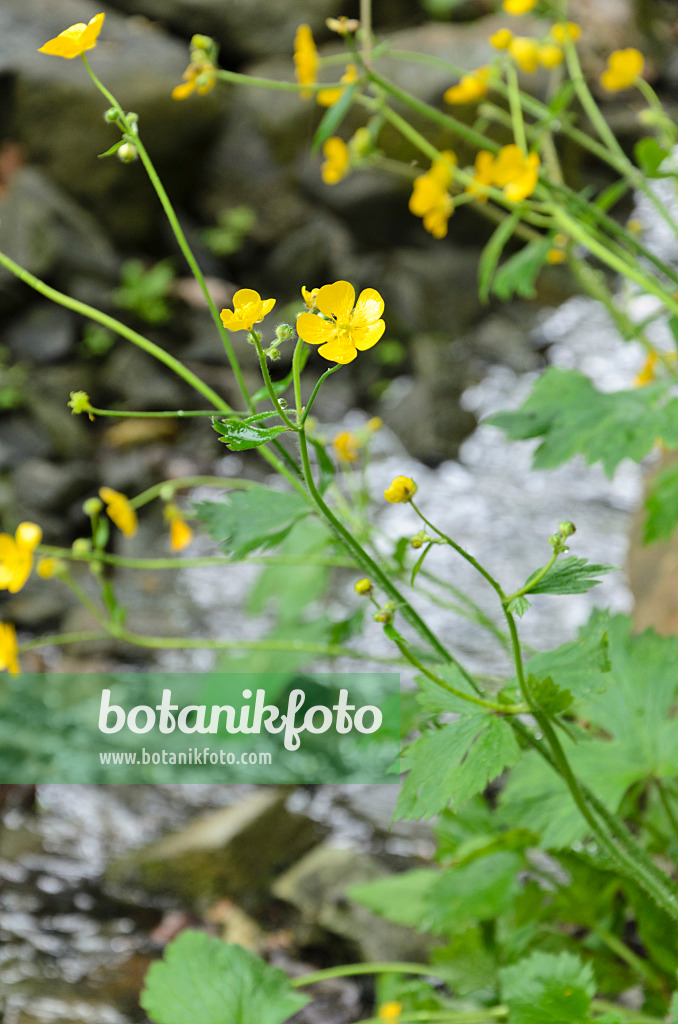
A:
581,666
569,576
662,505
546,988
573,418
201,980
517,275
239,436
247,520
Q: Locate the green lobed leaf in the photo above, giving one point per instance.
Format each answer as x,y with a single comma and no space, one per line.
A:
401,899
518,606
549,697
247,520
547,988
240,436
569,576
481,890
650,156
573,418
201,980
333,117
662,505
518,274
581,666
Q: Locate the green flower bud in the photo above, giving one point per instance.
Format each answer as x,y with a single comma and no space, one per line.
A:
92,507
128,153
81,546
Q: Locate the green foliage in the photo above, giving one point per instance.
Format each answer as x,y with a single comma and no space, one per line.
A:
333,117
573,418
96,341
518,274
239,435
145,291
201,980
581,666
13,378
455,760
251,519
548,989
491,254
650,156
568,576
232,229
662,505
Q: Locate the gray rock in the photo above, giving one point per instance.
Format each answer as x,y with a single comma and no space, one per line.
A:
46,485
45,334
231,852
317,886
142,381
20,439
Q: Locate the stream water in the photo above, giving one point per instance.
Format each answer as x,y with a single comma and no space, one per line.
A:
68,951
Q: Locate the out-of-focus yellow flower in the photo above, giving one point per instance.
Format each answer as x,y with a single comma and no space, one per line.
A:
516,173
200,78
305,59
557,254
483,176
564,30
16,556
501,40
73,41
343,329
525,52
80,403
518,7
346,446
648,371
471,87
363,586
430,197
248,309
119,510
181,533
327,97
374,424
550,55
9,649
635,226
309,295
623,68
337,160
389,1013
47,567
343,26
402,488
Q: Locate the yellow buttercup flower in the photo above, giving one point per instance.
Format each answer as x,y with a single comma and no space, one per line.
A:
483,176
16,556
9,649
305,59
309,295
648,371
550,55
471,87
346,446
516,173
501,39
525,52
73,41
430,197
337,160
402,488
374,424
390,1012
565,30
519,7
248,309
342,25
200,78
556,256
345,327
623,68
119,510
47,567
327,97
363,586
181,533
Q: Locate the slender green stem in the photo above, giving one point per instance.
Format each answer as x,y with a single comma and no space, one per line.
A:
366,32
464,554
296,377
254,336
352,970
85,600
272,83
365,561
191,563
84,636
177,230
316,389
666,804
516,108
170,414
639,966
183,483
533,582
115,325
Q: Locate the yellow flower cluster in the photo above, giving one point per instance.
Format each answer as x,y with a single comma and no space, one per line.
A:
346,446
119,510
16,556
341,326
198,77
327,97
9,649
248,309
530,53
513,171
471,87
305,59
624,67
73,41
430,197
519,7
402,488
181,533
337,160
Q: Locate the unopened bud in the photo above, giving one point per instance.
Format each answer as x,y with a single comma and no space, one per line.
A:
284,332
363,587
566,529
81,546
92,507
128,153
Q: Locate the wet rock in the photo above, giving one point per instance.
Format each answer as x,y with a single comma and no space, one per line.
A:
231,852
317,886
317,251
44,334
57,111
142,381
46,485
247,28
39,605
21,438
47,1010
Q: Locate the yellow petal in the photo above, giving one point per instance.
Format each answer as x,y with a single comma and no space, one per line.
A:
314,330
338,351
328,97
28,535
368,308
245,297
266,307
181,92
181,534
91,33
366,337
336,299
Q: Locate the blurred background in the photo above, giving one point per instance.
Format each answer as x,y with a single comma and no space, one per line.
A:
84,900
